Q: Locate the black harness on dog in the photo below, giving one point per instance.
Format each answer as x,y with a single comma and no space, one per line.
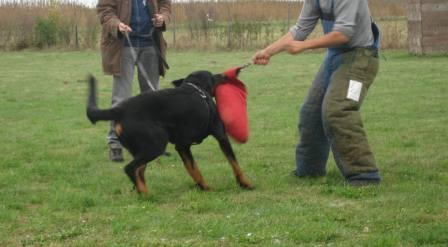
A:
204,95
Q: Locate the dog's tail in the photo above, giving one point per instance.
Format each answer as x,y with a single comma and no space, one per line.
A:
93,113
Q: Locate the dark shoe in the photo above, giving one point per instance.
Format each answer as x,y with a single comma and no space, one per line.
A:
296,173
359,183
364,179
116,155
293,173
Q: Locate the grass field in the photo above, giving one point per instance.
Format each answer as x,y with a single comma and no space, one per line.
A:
57,187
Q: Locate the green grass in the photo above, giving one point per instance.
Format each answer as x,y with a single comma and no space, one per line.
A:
58,188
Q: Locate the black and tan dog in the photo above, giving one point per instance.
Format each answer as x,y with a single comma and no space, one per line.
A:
184,115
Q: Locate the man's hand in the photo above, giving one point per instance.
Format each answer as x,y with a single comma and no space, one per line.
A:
124,28
158,20
261,57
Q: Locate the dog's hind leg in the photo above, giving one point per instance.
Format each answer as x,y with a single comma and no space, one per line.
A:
191,166
135,171
141,175
226,148
143,148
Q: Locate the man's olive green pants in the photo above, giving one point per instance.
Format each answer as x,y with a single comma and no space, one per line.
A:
330,116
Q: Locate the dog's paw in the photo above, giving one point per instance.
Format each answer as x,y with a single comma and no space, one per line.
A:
246,185
203,187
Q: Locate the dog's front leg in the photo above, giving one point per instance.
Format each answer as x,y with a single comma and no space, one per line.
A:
191,166
226,148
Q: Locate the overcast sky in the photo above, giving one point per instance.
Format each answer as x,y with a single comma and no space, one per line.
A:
88,2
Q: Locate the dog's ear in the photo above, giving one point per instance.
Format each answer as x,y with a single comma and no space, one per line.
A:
178,82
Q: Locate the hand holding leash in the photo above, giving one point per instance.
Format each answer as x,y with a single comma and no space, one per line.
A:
261,58
124,28
158,20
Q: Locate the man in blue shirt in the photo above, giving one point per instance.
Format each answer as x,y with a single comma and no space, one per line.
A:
132,38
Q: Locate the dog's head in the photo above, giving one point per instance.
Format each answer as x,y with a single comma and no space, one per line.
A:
203,79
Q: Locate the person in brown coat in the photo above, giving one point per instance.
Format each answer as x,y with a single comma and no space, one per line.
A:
132,37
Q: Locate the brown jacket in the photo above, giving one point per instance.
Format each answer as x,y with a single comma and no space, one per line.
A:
111,13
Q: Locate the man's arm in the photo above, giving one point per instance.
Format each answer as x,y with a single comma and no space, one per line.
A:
309,16
165,10
262,57
287,43
106,11
343,29
163,15
294,42
330,39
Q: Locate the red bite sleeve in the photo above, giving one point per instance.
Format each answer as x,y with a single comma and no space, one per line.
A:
231,101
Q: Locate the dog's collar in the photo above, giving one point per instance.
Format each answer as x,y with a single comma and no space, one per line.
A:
202,93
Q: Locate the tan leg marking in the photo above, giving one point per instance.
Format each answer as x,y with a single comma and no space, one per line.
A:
140,180
242,181
195,173
141,173
118,129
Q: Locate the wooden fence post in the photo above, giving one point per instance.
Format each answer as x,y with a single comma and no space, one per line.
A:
427,26
289,14
229,27
76,37
174,28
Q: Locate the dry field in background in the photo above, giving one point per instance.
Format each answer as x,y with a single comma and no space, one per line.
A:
243,25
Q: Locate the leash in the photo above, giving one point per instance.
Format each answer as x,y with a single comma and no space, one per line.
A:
143,71
139,65
246,65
